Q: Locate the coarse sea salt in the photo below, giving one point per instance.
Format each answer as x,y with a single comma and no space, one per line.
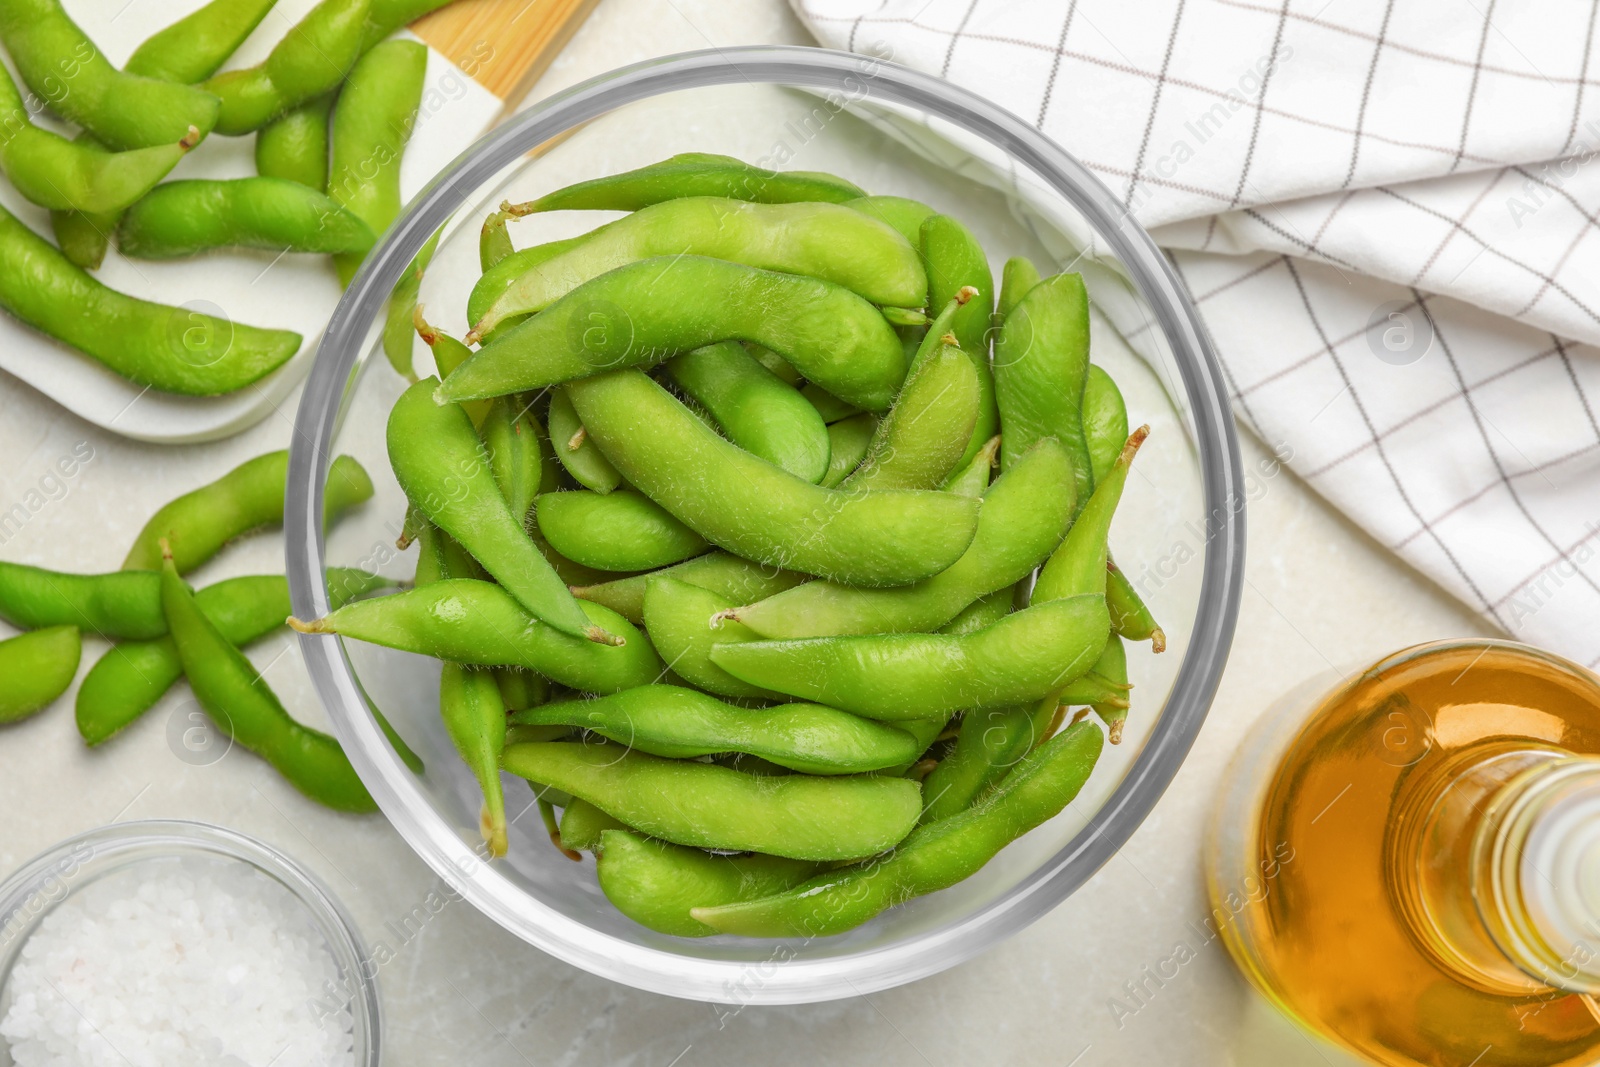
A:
176,962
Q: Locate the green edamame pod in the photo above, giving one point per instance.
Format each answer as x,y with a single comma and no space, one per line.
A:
671,721
1021,658
956,262
754,408
848,441
313,58
480,624
117,605
1131,619
1024,516
973,479
925,434
516,455
1078,566
35,668
620,531
701,804
387,16
823,241
1105,421
991,740
475,718
645,312
933,857
177,219
294,147
683,624
499,275
736,580
692,174
1113,667
241,705
83,237
830,407
902,214
200,522
440,464
520,689
494,244
193,48
448,354
582,825
980,614
371,124
1041,361
61,64
656,884
573,449
400,314
170,348
776,364
751,508
1017,277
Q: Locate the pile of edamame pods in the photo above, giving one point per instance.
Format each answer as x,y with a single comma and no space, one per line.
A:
715,553
331,108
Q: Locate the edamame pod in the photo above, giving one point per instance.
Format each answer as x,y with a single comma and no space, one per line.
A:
1024,517
502,272
35,668
448,354
294,147
401,314
754,408
620,531
200,522
830,407
1023,657
1078,566
956,262
933,857
848,441
170,348
671,721
1041,361
823,241
372,122
902,214
440,464
61,64
751,508
514,440
1017,277
645,312
387,16
582,825
83,237
701,804
990,741
1105,421
1129,615
655,883
475,718
241,705
980,614
117,605
922,438
735,580
182,218
973,479
679,618
574,451
312,59
481,624
521,689
1113,667
193,48
692,174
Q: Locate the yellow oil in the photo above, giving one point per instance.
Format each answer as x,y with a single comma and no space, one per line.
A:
1328,938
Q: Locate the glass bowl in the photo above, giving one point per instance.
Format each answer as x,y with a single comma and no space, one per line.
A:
125,851
1179,533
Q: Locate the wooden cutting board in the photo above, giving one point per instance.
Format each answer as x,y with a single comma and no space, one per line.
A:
503,45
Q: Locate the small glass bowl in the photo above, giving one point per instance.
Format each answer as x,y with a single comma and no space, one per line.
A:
1179,532
49,879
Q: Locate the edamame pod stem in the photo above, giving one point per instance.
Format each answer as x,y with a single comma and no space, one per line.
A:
1130,617
824,241
701,804
440,465
645,312
655,883
1017,277
933,857
692,174
312,59
923,437
61,65
956,263
499,275
582,825
902,214
175,349
177,219
193,48
480,624
372,122
679,618
1041,361
250,496
1024,517
294,147
848,441
751,508
1023,657
735,580
671,721
754,408
241,705
620,531
574,451
475,718
448,354
35,668
401,314
1105,421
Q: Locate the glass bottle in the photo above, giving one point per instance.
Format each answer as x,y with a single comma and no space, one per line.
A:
1412,868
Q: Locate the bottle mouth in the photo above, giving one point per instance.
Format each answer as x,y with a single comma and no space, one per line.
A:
1538,853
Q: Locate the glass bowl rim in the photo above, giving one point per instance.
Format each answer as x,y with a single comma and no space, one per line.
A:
178,837
796,980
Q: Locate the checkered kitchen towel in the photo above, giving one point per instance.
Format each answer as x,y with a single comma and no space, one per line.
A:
1386,211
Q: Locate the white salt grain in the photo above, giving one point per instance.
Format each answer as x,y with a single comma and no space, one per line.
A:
175,963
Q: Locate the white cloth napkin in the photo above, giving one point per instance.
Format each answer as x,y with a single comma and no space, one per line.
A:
1386,211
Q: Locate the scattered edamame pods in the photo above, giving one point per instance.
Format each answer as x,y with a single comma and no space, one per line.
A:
117,605
35,668
194,47
691,174
185,217
311,60
735,580
754,408
620,531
